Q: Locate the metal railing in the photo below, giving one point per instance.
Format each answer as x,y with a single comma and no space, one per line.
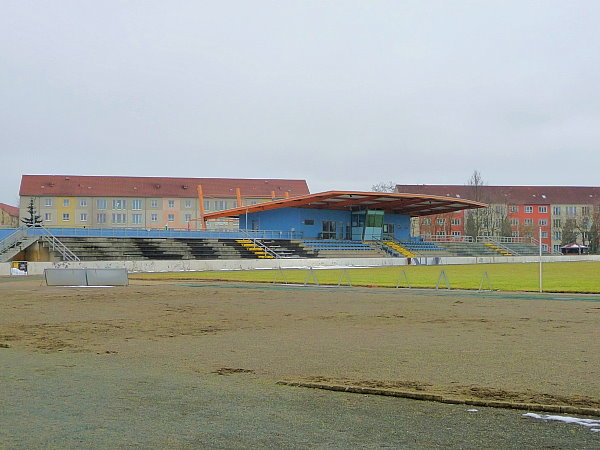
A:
176,233
64,251
268,250
446,238
12,239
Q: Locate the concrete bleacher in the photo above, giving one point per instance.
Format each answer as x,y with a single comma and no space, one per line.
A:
337,248
466,249
132,249
423,248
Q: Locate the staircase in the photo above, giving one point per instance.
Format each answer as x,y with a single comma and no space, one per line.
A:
499,249
261,252
15,243
398,248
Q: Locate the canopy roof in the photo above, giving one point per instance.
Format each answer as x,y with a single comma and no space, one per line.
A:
391,203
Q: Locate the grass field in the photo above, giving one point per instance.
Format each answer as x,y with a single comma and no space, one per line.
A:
583,277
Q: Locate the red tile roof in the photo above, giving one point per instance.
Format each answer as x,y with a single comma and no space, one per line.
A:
11,210
109,186
516,195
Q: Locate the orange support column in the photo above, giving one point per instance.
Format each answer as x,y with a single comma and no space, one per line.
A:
201,206
286,194
238,194
272,195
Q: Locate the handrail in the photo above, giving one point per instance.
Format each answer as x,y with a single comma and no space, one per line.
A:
262,245
10,240
65,252
386,248
446,238
504,248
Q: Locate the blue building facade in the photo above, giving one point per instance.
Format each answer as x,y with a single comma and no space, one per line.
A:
312,223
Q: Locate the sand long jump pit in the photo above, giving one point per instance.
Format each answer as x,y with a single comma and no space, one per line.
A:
526,349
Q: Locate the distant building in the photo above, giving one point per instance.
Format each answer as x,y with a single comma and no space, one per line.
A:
70,201
518,210
9,216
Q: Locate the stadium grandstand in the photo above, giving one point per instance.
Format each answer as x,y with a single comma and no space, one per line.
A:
515,215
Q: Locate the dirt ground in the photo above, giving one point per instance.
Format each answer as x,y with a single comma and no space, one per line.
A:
520,347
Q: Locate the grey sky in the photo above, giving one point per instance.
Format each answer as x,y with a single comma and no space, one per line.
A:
341,93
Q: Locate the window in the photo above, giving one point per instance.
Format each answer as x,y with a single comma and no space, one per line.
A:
500,209
220,205
48,217
66,217
515,234
514,222
136,218
455,221
456,233
119,204
441,221
556,223
544,234
556,210
309,222
48,202
440,233
557,235
101,217
206,205
328,229
557,248
426,221
154,217
514,209
188,204
171,203
542,209
101,203
171,217
529,209
528,222
153,203
119,218
545,247
585,210
83,202
66,202
188,217
542,222
83,217
136,205
571,210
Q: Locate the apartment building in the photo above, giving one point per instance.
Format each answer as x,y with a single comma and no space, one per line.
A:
9,216
71,201
518,211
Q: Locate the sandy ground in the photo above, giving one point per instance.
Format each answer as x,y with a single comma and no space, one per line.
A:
526,347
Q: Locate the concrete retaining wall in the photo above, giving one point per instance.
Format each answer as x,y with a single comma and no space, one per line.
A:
37,268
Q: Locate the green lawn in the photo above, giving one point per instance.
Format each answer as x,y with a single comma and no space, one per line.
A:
558,277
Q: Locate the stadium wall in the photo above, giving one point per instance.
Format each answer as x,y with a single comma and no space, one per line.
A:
37,268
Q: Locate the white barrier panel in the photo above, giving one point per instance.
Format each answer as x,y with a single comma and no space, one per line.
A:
65,277
107,277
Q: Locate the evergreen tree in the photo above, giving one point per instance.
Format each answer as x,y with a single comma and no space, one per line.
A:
34,220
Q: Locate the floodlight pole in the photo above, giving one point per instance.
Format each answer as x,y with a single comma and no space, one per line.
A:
540,243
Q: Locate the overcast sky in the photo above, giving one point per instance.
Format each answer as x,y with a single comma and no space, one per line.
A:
342,93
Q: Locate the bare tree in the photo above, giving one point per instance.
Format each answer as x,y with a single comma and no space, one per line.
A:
384,186
475,219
